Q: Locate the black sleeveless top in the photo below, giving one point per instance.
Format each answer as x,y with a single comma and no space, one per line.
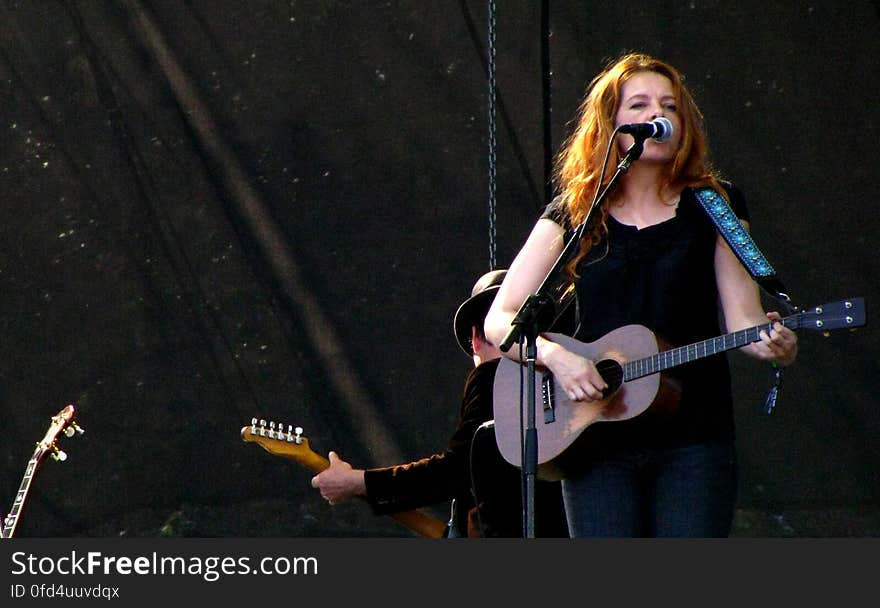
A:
662,277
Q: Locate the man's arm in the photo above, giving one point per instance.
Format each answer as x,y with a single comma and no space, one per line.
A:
431,480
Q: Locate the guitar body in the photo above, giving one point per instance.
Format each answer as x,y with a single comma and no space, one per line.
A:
570,418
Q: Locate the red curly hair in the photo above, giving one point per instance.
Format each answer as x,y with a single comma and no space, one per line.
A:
579,165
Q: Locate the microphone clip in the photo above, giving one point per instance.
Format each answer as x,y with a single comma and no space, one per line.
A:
660,130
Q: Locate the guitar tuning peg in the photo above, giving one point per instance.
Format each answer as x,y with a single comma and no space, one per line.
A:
57,454
73,428
298,434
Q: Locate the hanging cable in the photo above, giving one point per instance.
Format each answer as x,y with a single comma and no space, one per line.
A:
492,140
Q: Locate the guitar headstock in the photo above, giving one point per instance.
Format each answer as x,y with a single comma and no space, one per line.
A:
62,422
834,315
290,443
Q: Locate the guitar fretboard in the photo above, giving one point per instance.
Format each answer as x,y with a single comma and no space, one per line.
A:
11,520
713,346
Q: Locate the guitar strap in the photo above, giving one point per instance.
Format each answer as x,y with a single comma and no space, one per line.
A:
742,244
740,241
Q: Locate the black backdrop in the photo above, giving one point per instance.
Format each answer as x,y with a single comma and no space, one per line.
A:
215,210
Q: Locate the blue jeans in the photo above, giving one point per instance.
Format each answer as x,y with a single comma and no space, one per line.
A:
679,492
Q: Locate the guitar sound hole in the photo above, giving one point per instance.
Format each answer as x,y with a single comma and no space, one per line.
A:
612,373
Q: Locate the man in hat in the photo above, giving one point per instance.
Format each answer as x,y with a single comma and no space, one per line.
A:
486,490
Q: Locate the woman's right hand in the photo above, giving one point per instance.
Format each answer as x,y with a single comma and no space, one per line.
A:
577,376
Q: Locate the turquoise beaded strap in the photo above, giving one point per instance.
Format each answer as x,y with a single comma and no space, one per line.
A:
740,241
734,233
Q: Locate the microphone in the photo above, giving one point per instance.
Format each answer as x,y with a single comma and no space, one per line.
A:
660,129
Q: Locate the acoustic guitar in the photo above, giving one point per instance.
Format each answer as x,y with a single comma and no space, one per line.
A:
292,444
630,361
64,422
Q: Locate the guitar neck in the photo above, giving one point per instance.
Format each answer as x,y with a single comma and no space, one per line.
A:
296,447
699,350
61,422
11,520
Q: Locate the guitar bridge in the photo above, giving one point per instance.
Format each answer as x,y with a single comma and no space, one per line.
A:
548,397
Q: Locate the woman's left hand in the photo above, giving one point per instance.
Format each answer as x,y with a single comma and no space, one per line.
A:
779,345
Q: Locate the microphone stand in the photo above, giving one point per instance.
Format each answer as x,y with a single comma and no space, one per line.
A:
534,318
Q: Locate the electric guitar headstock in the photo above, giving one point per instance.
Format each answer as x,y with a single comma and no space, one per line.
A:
290,443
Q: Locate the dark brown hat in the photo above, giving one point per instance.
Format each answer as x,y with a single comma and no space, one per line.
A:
473,310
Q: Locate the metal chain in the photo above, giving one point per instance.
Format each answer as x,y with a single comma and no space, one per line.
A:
547,93
492,140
